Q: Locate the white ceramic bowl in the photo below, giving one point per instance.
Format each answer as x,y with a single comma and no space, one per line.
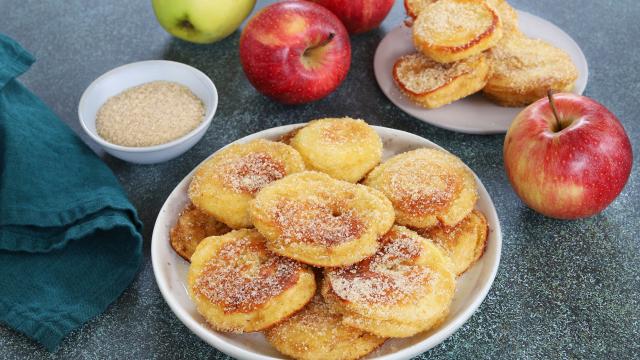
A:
121,78
171,270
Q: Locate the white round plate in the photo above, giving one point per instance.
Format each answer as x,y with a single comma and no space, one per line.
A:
474,114
171,270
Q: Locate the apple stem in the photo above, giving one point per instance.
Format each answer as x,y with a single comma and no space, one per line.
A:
328,39
553,108
321,44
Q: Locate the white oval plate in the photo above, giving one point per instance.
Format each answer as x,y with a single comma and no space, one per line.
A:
474,114
171,270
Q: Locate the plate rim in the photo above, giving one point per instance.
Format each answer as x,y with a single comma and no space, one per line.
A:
232,350
476,131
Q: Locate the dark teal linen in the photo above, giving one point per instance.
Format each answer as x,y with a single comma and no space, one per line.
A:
70,240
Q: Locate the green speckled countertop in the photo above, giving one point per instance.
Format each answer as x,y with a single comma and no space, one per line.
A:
563,290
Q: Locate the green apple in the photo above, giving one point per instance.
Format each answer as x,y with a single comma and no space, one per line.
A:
202,21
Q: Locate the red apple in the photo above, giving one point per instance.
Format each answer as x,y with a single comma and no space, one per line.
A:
567,163
295,51
359,16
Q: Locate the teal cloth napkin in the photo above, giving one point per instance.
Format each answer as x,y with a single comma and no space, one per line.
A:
70,240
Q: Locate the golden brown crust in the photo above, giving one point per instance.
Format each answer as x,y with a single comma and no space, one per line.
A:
507,14
426,186
505,11
192,226
221,282
450,30
414,7
344,148
286,138
525,69
465,242
240,286
396,249
508,97
431,84
318,220
318,333
224,184
405,288
331,225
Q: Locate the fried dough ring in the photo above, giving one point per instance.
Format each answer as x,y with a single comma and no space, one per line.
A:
405,288
450,30
431,84
508,15
240,286
344,148
426,186
414,7
192,226
224,184
525,69
464,243
321,221
318,333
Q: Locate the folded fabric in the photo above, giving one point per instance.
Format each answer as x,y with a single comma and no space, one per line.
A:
70,240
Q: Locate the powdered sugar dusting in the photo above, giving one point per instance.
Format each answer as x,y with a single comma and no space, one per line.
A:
244,275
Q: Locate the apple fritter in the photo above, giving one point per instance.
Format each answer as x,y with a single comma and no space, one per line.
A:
321,221
426,187
507,14
431,84
450,30
240,286
345,148
224,184
192,226
414,7
464,243
318,333
525,69
405,288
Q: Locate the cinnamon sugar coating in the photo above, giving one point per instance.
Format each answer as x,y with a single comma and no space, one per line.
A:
238,285
318,220
224,184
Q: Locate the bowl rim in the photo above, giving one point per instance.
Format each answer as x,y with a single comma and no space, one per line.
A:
228,348
138,149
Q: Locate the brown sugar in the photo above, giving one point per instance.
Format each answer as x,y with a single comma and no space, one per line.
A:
149,114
